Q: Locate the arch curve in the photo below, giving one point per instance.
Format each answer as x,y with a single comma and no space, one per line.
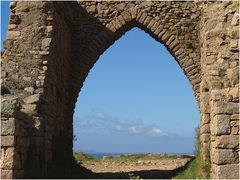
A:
188,58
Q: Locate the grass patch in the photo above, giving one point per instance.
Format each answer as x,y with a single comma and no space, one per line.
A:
137,157
199,168
187,23
80,157
188,44
196,169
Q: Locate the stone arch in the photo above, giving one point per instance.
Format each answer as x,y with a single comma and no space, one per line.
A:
188,58
51,46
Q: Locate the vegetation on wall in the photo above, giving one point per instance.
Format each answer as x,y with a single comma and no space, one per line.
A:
199,168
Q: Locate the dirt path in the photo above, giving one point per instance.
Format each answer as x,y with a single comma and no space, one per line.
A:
140,165
144,166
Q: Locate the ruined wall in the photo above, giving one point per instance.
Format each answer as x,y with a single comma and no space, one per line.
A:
51,47
220,88
22,75
38,43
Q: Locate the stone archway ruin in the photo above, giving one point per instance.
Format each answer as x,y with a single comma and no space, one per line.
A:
51,46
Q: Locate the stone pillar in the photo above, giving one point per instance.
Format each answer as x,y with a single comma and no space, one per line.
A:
10,157
220,65
23,68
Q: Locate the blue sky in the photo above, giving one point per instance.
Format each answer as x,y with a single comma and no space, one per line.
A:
136,99
4,20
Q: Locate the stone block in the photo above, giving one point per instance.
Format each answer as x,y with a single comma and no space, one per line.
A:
234,33
234,123
111,27
233,74
205,129
220,124
142,17
217,95
12,4
11,159
233,43
234,92
151,23
147,21
179,51
32,99
166,36
8,158
170,40
121,20
235,130
227,141
222,107
161,33
29,89
234,117
173,44
205,119
43,52
91,9
46,43
117,24
235,19
12,26
6,174
8,127
13,35
9,107
216,84
7,141
126,16
49,29
223,156
228,171
14,19
204,138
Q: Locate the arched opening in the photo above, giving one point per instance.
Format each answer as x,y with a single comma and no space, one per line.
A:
136,99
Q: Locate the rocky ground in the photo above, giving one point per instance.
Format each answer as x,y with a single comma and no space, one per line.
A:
159,164
144,166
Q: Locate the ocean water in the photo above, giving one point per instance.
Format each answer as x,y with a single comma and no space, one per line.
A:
100,155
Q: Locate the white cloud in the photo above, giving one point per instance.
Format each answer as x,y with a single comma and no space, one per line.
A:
156,132
99,118
99,114
82,122
135,129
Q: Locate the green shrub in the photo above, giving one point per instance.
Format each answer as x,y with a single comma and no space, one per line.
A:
188,44
133,176
80,156
187,23
199,168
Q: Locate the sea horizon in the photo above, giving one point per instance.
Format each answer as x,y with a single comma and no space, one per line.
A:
100,155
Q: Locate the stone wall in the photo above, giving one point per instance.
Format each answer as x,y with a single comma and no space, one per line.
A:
51,47
220,65
22,75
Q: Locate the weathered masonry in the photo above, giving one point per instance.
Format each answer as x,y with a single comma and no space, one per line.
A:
51,46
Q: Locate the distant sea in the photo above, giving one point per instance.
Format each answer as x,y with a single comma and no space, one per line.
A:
101,155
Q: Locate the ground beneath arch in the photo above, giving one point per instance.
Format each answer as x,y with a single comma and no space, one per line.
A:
160,166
